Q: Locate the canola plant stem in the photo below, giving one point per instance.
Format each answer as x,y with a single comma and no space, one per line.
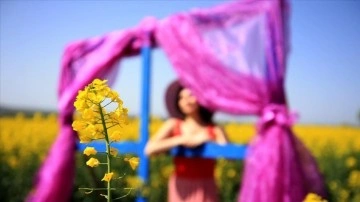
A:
108,157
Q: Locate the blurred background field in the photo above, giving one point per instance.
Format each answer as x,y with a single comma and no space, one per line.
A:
26,137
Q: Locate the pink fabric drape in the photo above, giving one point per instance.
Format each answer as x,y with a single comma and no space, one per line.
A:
233,57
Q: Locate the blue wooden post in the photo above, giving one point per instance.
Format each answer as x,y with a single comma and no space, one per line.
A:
144,117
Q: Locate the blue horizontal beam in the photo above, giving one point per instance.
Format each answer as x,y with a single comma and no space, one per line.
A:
123,147
208,150
212,150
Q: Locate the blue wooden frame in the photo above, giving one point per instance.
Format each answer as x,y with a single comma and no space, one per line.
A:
208,150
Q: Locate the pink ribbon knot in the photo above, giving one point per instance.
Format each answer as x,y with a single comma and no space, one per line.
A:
277,114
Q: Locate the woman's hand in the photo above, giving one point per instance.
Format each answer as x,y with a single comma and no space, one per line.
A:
192,141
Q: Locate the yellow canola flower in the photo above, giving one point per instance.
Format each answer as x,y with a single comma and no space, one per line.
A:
90,151
90,130
133,161
89,114
134,182
115,136
84,138
344,195
81,95
166,171
231,173
312,197
354,179
350,162
93,162
107,177
98,84
119,116
95,98
97,115
79,125
114,151
91,104
114,96
333,185
80,102
98,132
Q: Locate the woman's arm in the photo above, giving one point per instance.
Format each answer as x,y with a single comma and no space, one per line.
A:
221,137
161,141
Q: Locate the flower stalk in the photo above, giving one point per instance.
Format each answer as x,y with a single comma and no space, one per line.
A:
108,156
102,116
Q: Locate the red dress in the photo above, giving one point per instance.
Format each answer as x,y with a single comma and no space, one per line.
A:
193,180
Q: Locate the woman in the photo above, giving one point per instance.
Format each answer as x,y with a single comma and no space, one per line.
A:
190,125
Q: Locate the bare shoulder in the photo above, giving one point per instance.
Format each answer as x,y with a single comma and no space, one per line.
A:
218,128
165,129
170,122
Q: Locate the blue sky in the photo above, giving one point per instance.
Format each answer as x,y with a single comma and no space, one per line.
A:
323,77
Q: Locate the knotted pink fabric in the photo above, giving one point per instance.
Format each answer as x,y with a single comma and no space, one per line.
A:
278,166
275,114
233,58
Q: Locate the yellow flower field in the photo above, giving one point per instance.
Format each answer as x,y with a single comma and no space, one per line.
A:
27,139
35,135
